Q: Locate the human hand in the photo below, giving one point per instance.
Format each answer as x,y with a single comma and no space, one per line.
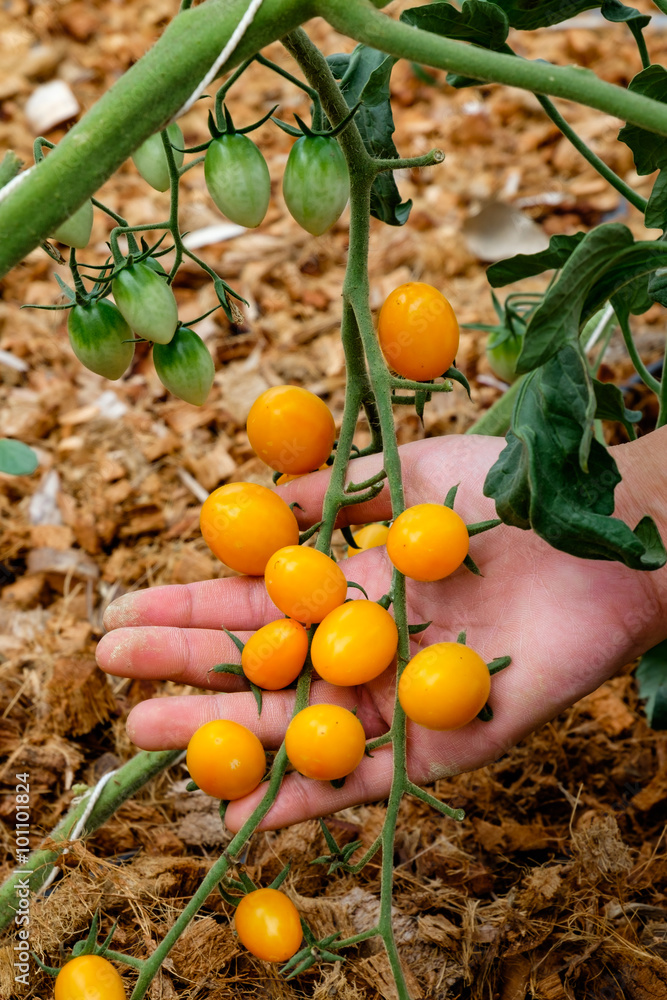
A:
567,623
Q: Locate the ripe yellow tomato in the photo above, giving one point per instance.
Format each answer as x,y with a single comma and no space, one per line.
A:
325,742
428,541
268,925
89,977
285,478
368,537
291,429
304,583
355,643
243,524
273,657
225,759
444,686
418,331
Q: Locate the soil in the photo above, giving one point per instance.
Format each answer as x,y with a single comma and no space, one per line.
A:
555,885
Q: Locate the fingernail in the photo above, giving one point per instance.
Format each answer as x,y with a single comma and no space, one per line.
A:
121,612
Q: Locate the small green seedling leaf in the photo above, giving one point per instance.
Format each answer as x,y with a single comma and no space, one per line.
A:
16,458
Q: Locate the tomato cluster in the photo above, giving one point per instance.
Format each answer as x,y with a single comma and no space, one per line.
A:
249,527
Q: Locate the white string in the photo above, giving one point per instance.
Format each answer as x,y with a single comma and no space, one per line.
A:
14,182
231,45
81,822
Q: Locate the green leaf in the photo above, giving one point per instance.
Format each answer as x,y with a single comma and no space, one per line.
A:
529,14
649,150
478,22
628,272
611,406
364,78
556,321
652,679
614,10
16,458
555,478
655,216
525,265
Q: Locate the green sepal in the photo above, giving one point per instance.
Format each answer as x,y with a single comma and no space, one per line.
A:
257,695
461,638
337,782
349,537
45,968
309,532
227,668
416,629
470,564
235,639
500,662
454,375
479,526
486,714
450,499
192,786
357,586
280,877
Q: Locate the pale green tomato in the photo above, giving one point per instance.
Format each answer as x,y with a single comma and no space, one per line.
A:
150,158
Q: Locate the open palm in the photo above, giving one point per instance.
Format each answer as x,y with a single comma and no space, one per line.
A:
567,623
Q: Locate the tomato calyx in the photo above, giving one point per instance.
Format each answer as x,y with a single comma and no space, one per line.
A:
315,133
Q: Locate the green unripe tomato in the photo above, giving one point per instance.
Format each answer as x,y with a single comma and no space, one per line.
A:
75,231
150,158
100,338
147,302
502,351
237,179
316,184
185,367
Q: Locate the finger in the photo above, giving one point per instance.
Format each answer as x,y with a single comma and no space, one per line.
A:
168,723
182,655
236,603
303,798
308,491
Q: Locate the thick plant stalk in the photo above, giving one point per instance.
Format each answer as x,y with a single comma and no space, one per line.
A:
122,786
145,98
138,105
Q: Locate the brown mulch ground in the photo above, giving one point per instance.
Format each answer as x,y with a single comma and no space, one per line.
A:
555,886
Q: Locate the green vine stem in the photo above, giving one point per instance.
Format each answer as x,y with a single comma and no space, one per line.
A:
609,175
146,97
122,786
